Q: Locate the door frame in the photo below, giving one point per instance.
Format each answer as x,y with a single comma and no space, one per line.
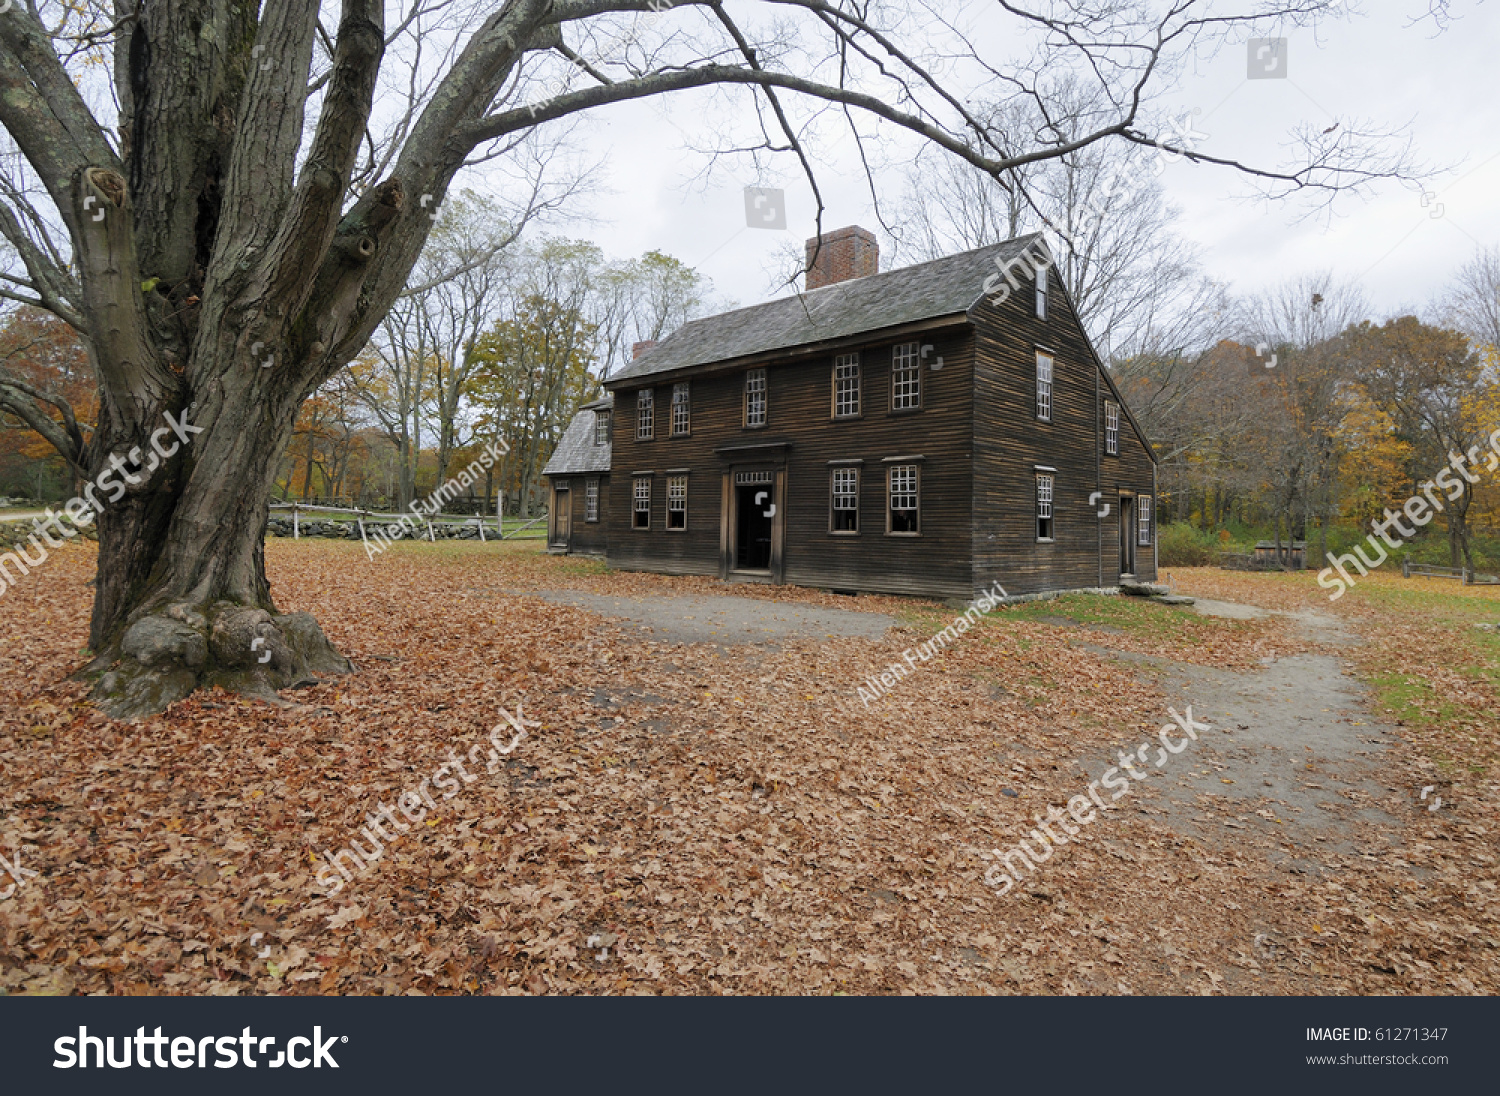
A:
1127,534
729,522
560,531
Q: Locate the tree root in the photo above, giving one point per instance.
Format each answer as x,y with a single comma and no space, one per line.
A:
164,657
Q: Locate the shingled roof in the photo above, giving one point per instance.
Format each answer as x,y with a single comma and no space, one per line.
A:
943,287
576,454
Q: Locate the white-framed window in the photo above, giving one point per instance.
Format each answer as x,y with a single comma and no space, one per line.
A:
591,499
755,397
645,414
1143,519
846,386
1044,489
601,427
1112,428
560,485
1044,386
640,517
1043,281
906,377
904,513
682,416
677,502
845,515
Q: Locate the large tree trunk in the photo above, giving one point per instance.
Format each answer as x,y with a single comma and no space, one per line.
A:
182,600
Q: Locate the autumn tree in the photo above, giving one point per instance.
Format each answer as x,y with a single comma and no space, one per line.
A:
1431,382
210,188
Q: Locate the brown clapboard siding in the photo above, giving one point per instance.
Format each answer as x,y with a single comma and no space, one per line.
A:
799,414
1010,442
589,537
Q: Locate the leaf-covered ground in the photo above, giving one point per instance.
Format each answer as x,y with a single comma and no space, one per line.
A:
707,818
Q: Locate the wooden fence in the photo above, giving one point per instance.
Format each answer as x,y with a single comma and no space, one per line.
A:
1465,576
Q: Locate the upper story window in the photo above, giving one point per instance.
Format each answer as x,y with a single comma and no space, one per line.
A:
640,517
846,386
591,499
1043,281
904,511
1044,386
906,377
1143,505
682,417
845,515
645,415
1044,487
1112,428
601,427
755,397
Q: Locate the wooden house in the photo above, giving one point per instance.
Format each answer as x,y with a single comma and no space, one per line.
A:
578,478
931,430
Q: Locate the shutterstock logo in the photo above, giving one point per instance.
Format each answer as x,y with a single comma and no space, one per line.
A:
189,1053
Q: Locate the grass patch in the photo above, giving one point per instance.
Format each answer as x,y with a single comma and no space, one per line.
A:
1140,616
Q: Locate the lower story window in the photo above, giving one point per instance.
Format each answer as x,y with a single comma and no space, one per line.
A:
845,500
677,502
1044,485
640,517
904,513
1144,505
591,500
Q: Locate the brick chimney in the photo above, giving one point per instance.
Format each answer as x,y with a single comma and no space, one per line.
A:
637,349
844,254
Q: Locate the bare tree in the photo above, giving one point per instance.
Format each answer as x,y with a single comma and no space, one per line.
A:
232,196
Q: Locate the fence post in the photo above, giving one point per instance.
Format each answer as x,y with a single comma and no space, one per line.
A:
1406,567
362,538
431,539
480,522
1463,576
296,528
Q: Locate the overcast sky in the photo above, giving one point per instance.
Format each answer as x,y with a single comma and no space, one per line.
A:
1377,67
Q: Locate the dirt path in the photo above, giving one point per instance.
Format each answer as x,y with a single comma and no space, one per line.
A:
724,620
1295,763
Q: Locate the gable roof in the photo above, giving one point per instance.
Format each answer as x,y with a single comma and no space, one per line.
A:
576,454
942,287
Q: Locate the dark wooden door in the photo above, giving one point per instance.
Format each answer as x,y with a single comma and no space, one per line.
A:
1127,535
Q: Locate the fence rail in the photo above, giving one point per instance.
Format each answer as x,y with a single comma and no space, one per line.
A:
1432,570
449,520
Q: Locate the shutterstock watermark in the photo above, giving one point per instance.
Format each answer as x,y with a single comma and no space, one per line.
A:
414,804
1420,509
1007,871
16,872
186,1052
882,683
383,536
82,511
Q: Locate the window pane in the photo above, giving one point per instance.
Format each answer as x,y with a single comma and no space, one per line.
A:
1044,487
677,502
645,415
846,384
755,397
846,500
591,500
906,377
641,518
1044,387
1145,519
1041,292
903,493
681,417
1111,427
601,427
